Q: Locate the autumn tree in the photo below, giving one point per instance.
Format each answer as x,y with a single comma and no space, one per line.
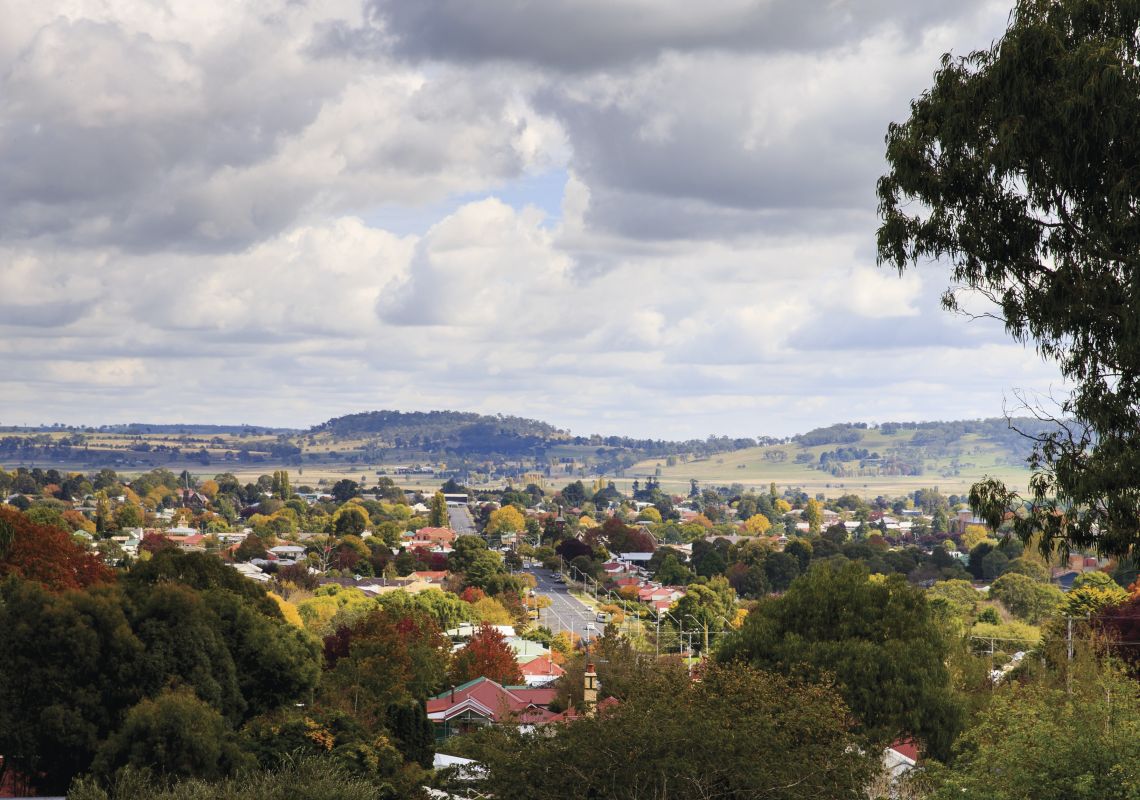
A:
486,655
507,519
46,554
381,659
757,525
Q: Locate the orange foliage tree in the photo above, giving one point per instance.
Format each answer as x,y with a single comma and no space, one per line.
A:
487,655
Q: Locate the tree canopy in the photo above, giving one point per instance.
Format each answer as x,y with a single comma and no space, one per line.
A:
1023,161
681,739
877,637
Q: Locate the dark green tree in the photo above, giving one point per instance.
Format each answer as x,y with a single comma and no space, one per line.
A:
1019,168
684,740
877,637
174,735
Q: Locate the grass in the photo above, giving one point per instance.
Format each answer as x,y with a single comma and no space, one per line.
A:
952,471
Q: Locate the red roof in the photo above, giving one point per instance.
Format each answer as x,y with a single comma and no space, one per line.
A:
542,665
442,534
497,703
906,747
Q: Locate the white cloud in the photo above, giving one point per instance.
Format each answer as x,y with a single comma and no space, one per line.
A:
189,199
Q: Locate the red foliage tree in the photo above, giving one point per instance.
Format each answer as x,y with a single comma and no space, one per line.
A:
487,655
472,594
155,542
46,555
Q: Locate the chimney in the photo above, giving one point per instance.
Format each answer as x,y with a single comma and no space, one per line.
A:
590,692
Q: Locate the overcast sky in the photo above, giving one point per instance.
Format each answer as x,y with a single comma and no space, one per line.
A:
645,217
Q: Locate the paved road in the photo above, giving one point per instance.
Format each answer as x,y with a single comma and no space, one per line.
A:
565,612
461,520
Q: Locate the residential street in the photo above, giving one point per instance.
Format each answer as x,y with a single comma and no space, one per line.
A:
461,520
565,612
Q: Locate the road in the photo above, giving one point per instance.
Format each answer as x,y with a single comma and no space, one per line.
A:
461,520
565,613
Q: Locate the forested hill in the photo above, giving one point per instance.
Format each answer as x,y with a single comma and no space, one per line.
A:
439,430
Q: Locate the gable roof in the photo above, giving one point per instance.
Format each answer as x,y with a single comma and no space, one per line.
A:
494,701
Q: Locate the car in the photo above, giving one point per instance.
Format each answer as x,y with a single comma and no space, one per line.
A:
601,616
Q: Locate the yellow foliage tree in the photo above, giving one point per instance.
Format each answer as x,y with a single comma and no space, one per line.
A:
288,610
782,505
757,524
974,535
507,519
650,514
491,611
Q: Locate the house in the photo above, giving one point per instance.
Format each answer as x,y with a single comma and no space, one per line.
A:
467,629
484,702
251,571
441,536
541,671
291,551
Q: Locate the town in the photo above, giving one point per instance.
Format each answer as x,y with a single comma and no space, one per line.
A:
440,620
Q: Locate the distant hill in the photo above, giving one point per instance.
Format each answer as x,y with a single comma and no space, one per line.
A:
440,431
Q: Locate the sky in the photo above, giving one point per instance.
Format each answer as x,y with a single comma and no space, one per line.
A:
639,217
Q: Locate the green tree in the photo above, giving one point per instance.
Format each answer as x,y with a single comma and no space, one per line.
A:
174,735
350,519
671,739
1048,743
814,516
1025,598
439,517
877,637
1016,168
71,666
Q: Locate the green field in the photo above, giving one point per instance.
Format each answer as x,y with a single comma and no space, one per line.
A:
952,470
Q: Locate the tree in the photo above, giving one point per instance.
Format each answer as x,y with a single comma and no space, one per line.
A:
486,655
46,554
974,536
439,517
879,640
383,659
350,519
1025,598
757,524
1034,740
1015,166
507,519
710,607
71,666
681,739
175,735
814,516
344,490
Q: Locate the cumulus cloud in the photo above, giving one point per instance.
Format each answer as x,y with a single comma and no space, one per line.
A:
197,205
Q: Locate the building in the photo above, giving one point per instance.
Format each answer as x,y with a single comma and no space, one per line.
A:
483,702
